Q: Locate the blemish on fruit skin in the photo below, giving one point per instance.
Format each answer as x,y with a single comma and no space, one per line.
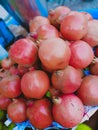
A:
79,109
72,104
57,72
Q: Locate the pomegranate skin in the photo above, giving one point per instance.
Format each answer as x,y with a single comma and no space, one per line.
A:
88,90
34,84
17,111
81,54
23,52
40,113
92,34
47,31
59,56
57,15
36,22
68,110
74,26
4,102
67,80
10,86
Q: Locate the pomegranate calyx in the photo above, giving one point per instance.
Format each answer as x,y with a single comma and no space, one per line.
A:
57,100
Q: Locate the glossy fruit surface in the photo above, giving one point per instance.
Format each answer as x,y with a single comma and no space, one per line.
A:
81,54
23,52
40,113
65,109
10,86
35,84
54,53
74,26
67,80
88,90
17,111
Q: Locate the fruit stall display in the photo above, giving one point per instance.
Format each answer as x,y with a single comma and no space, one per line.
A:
49,79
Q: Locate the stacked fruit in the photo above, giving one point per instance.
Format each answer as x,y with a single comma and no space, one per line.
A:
43,78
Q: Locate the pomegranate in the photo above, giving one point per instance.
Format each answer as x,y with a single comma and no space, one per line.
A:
13,70
46,31
37,22
6,63
74,26
56,16
24,52
34,84
17,111
4,102
67,80
92,34
54,53
22,70
10,86
88,15
81,54
40,113
88,90
65,109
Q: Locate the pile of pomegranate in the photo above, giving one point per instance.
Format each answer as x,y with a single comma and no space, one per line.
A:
43,78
